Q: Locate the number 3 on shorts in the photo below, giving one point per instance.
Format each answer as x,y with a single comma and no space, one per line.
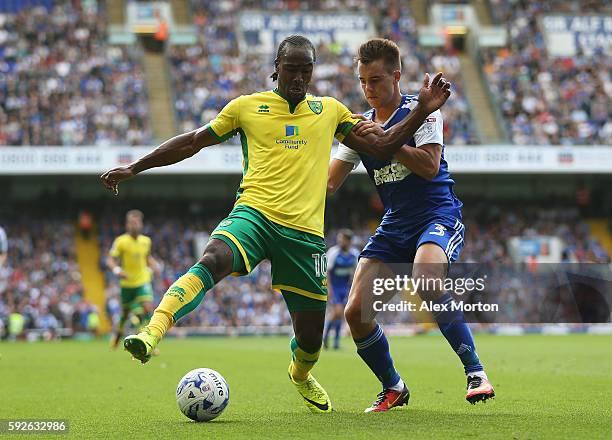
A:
441,230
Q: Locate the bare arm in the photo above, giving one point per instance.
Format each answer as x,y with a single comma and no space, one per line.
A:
424,161
172,151
338,172
2,259
114,266
154,265
383,144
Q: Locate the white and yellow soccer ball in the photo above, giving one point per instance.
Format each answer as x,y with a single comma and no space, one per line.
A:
202,394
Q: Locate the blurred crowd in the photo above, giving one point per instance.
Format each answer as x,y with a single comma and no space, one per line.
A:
546,99
40,285
209,74
488,229
40,282
61,83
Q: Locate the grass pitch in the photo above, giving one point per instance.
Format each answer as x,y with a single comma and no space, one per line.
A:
546,386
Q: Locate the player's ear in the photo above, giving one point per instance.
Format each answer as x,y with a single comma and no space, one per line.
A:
397,75
274,76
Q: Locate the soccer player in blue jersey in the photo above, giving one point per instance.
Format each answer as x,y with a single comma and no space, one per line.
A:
341,262
421,225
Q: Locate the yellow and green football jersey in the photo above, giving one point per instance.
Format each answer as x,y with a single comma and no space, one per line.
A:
286,152
132,254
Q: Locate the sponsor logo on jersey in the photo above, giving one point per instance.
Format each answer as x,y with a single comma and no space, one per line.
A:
343,271
393,172
263,109
291,131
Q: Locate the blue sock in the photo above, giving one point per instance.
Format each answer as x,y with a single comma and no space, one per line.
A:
328,327
374,350
455,329
337,327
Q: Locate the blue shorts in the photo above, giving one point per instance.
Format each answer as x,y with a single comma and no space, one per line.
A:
339,296
392,245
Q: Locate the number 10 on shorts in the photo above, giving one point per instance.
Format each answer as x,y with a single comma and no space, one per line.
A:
320,264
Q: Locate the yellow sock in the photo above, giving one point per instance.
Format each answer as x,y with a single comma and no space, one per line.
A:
181,298
302,362
160,323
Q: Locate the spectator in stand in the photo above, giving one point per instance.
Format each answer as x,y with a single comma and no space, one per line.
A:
85,224
3,246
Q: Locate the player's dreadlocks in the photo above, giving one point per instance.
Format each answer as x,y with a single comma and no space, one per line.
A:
296,41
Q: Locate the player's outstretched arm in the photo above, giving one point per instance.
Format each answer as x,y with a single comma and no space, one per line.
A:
372,140
172,151
338,172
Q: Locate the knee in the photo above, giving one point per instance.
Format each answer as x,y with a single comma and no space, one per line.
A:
352,314
218,261
310,339
431,278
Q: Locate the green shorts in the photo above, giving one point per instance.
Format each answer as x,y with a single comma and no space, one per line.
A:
136,295
298,258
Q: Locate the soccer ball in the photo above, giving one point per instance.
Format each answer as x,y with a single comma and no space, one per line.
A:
202,394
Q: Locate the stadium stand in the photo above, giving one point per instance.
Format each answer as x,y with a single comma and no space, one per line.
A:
488,229
83,91
212,72
544,99
61,83
51,299
40,284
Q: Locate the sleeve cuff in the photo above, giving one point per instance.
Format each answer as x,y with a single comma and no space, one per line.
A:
222,138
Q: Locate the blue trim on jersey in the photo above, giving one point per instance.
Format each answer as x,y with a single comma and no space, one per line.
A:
409,199
417,210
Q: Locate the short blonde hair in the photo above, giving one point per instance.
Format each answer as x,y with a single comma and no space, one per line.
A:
135,213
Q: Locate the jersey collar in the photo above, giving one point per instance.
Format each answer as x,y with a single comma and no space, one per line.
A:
291,106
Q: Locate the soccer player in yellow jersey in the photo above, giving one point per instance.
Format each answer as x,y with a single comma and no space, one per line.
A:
130,259
286,137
